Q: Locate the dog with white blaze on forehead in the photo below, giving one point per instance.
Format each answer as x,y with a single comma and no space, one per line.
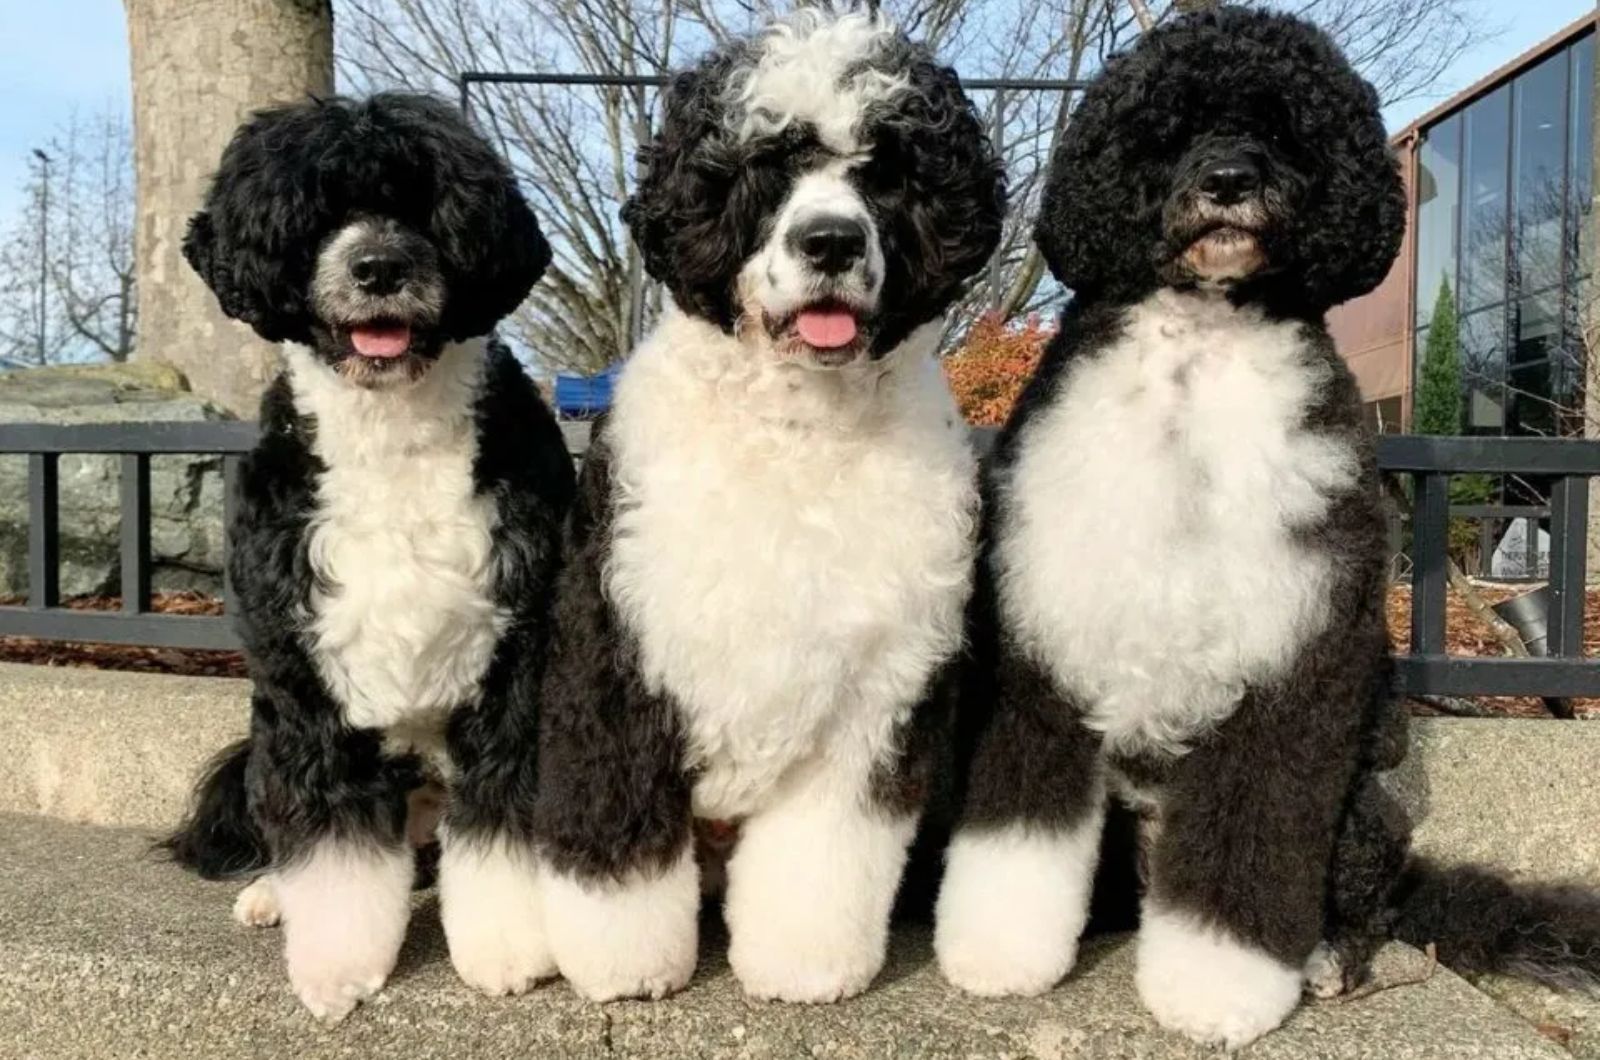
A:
765,571
1180,601
392,556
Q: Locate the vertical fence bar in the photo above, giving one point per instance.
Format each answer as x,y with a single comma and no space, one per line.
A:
1569,519
1486,530
230,494
636,308
1530,548
1430,529
135,533
44,531
998,132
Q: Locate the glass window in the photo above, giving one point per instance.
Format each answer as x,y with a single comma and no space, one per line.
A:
1532,401
1483,371
1539,155
1580,229
1438,213
1419,351
1538,328
1483,215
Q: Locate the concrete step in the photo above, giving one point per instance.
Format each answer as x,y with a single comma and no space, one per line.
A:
123,749
106,952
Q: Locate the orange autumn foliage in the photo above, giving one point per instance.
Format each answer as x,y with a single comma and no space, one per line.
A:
988,371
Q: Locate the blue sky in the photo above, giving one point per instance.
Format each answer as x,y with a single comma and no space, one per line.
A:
56,55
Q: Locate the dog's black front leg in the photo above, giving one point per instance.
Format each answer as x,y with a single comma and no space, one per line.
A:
1244,834
489,873
612,813
1020,868
332,808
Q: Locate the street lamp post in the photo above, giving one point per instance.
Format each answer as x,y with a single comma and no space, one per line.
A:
44,248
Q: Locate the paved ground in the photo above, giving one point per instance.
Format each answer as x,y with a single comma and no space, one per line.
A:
107,953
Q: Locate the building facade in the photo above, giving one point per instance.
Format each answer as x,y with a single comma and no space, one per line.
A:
1500,242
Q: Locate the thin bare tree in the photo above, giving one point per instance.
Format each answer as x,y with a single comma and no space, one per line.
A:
67,284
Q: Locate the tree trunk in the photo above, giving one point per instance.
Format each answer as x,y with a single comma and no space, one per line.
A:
198,67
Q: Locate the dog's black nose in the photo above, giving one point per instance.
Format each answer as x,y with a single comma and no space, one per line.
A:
1230,180
829,243
380,271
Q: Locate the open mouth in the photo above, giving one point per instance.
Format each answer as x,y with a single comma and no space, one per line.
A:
830,332
379,340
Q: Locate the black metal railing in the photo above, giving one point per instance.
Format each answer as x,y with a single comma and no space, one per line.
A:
43,615
1427,670
134,443
1430,462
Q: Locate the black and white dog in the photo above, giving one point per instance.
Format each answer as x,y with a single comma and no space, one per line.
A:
771,549
1182,582
394,548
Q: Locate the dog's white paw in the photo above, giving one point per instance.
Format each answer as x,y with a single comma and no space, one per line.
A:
257,905
1198,981
493,917
331,986
776,966
344,916
1004,967
637,938
1012,906
1324,974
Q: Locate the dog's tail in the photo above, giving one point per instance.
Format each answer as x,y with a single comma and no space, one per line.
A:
219,839
1480,921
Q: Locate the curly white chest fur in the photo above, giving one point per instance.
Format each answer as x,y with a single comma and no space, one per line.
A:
1149,556
791,548
401,619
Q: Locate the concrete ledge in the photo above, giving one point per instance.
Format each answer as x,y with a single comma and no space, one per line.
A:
110,748
104,952
123,749
1523,795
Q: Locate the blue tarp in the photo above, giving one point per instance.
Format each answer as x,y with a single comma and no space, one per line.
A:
583,396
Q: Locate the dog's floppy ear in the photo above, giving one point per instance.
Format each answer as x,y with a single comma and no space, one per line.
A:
1348,241
497,252
1097,218
200,248
696,210
493,249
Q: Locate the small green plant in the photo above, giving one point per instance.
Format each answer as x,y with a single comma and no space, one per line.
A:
1439,394
1439,401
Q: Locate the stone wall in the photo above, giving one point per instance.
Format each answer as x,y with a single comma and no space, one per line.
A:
186,492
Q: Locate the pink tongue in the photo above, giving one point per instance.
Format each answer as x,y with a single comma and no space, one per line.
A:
826,329
381,341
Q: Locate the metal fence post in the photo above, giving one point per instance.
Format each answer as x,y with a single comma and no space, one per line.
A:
1569,522
44,531
1429,545
135,490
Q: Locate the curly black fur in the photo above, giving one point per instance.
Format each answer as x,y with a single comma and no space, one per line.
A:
1201,83
1273,826
218,838
290,180
613,792
1480,921
293,175
706,198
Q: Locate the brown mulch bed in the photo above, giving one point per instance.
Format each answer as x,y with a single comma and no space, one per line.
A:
192,663
1465,633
